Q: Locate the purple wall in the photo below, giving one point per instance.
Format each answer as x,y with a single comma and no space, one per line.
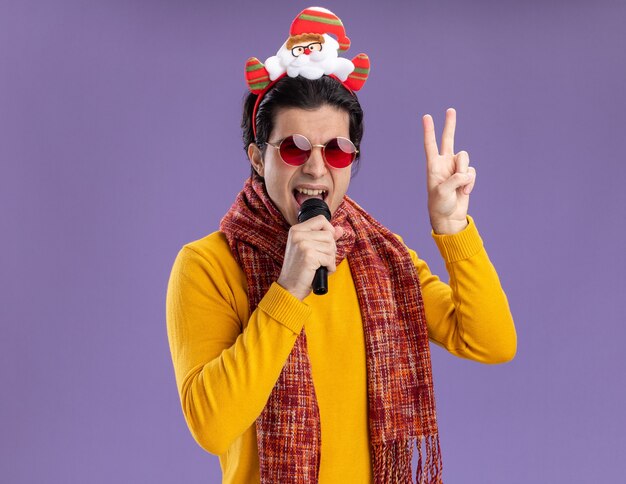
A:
120,142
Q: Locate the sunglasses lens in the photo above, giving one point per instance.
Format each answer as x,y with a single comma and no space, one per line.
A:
295,150
340,152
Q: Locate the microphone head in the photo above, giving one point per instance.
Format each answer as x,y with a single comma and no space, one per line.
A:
312,208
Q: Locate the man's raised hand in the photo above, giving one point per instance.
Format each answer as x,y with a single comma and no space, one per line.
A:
449,177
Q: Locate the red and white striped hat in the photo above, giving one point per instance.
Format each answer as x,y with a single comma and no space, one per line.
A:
318,20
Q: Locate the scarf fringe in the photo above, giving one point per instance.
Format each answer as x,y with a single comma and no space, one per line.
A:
392,461
431,474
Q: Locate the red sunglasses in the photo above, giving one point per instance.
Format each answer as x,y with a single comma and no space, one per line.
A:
296,149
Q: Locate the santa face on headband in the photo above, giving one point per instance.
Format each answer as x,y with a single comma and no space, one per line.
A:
311,56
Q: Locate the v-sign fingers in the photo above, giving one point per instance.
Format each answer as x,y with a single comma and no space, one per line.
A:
430,141
447,138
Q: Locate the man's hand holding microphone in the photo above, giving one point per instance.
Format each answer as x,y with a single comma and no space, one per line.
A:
311,251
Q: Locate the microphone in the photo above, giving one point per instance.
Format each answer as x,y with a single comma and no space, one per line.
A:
312,208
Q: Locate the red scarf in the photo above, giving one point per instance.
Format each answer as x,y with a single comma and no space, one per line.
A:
399,376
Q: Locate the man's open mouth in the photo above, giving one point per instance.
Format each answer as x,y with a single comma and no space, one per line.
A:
302,194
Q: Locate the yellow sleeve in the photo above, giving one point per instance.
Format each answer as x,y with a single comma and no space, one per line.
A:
225,370
470,317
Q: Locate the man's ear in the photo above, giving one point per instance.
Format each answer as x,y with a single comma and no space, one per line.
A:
256,158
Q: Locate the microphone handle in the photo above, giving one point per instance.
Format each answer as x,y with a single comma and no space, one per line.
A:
309,209
320,281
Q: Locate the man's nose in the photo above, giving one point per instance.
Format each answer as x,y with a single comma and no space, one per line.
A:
307,51
315,165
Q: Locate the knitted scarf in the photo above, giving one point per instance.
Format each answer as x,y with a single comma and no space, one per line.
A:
399,377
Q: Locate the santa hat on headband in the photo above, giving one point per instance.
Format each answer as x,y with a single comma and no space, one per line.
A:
311,52
318,20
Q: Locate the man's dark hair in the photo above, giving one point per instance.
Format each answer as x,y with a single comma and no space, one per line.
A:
303,93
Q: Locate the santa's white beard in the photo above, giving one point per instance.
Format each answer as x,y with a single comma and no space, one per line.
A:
312,66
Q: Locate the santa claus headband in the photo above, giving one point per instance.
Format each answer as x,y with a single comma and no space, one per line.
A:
310,52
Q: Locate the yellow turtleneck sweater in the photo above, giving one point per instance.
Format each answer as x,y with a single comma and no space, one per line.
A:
227,361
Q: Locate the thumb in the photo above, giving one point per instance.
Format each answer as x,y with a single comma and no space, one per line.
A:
455,181
339,231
